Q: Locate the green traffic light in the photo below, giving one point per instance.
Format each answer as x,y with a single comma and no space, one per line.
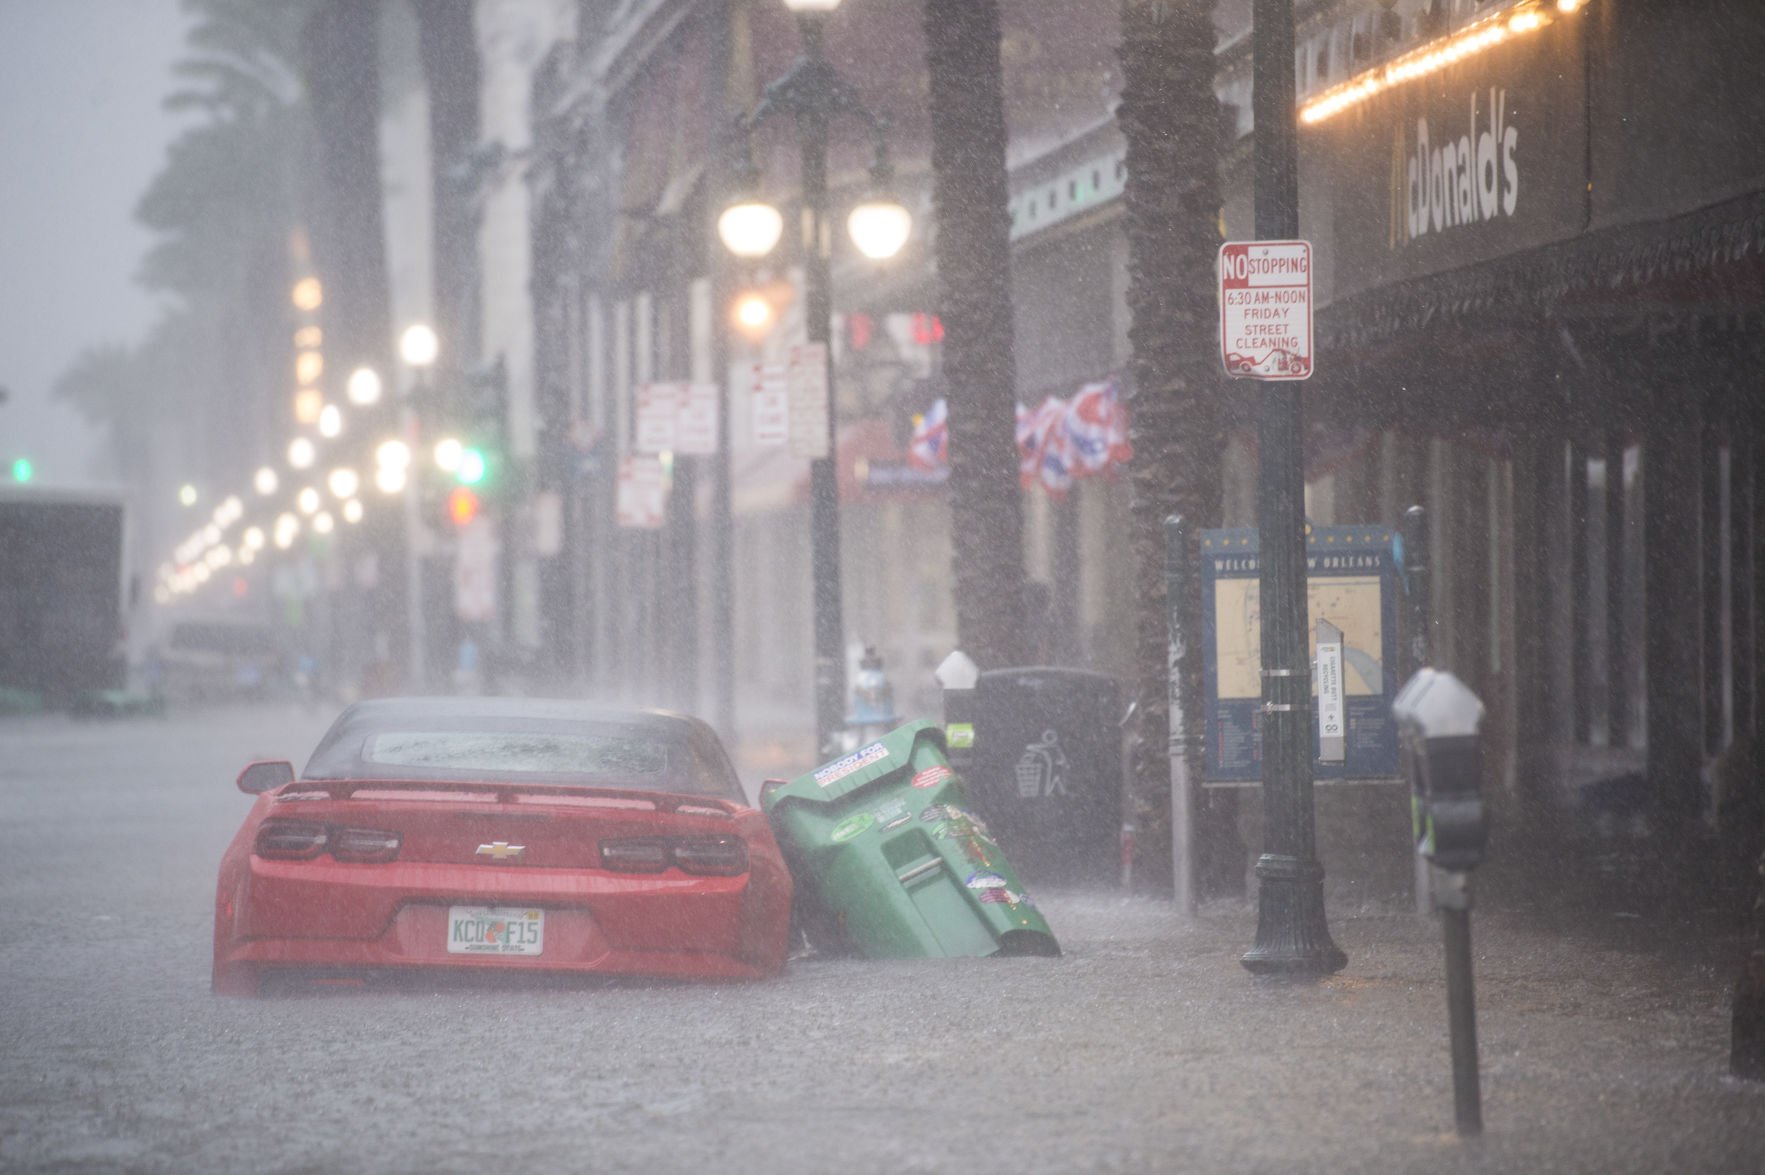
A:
23,470
472,467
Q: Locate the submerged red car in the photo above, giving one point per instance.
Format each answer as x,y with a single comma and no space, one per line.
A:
462,836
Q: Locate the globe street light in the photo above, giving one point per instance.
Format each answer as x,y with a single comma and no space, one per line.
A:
879,228
812,95
750,228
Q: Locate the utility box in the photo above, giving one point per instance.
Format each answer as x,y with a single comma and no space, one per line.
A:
890,862
1047,775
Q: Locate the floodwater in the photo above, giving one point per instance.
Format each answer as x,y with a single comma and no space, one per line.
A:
1146,1047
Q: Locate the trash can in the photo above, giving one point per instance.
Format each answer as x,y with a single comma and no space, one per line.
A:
1047,773
889,861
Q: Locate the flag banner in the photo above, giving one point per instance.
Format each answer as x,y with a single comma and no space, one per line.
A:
930,447
1059,441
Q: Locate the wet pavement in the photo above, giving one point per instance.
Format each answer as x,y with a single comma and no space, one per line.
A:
1145,1048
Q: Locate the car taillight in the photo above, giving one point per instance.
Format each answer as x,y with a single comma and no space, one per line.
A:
291,840
634,856
720,856
364,844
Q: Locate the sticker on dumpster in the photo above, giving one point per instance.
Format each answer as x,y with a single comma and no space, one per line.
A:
857,761
997,896
1041,769
851,826
960,736
932,776
936,812
893,814
986,879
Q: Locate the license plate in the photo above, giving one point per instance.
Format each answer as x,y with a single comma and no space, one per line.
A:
495,930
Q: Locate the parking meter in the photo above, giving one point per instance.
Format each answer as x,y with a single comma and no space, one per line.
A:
1438,718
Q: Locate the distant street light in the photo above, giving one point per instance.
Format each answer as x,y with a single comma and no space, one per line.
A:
330,421
753,315
308,500
301,453
186,495
447,454
287,526
391,479
343,483
308,294
364,387
418,346
308,403
266,481
352,511
308,367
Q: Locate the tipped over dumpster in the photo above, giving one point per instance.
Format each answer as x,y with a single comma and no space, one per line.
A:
891,863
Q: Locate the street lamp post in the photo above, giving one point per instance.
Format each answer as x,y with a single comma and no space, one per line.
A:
417,346
1292,937
813,94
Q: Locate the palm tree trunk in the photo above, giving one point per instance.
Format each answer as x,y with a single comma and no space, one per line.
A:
970,197
342,67
1170,119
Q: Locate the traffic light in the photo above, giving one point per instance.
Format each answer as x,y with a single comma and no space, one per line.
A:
23,470
462,506
473,466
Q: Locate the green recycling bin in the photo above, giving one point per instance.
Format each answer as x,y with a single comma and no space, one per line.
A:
889,861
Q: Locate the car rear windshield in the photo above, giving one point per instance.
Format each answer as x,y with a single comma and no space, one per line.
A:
658,756
521,752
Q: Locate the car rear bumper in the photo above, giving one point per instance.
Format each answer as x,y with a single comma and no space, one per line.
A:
330,919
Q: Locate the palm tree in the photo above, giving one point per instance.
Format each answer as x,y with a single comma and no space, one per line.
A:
1170,119
969,198
341,65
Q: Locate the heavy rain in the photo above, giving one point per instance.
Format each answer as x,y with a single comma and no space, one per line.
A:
882,585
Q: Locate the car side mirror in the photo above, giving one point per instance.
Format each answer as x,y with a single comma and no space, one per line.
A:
265,775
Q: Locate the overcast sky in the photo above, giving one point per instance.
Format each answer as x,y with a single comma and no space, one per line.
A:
81,133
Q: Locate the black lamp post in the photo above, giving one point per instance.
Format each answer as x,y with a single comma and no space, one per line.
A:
814,95
1292,937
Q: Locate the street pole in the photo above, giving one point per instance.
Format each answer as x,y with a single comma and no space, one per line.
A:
413,559
824,502
1291,935
813,94
722,524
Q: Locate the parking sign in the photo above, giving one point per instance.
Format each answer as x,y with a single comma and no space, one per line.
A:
1265,309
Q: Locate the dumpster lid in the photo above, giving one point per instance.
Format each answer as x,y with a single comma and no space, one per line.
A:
876,760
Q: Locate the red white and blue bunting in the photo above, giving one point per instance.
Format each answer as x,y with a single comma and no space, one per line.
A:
1058,442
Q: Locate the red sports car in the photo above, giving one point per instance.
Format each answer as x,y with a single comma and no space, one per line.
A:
473,835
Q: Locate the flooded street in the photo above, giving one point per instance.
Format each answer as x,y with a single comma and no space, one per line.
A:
1146,1047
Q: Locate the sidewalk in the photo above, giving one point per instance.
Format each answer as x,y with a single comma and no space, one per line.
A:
1604,1045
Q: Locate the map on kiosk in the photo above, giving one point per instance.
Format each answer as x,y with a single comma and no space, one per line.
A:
1352,583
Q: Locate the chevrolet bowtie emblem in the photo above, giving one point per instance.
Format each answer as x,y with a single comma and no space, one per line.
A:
501,850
